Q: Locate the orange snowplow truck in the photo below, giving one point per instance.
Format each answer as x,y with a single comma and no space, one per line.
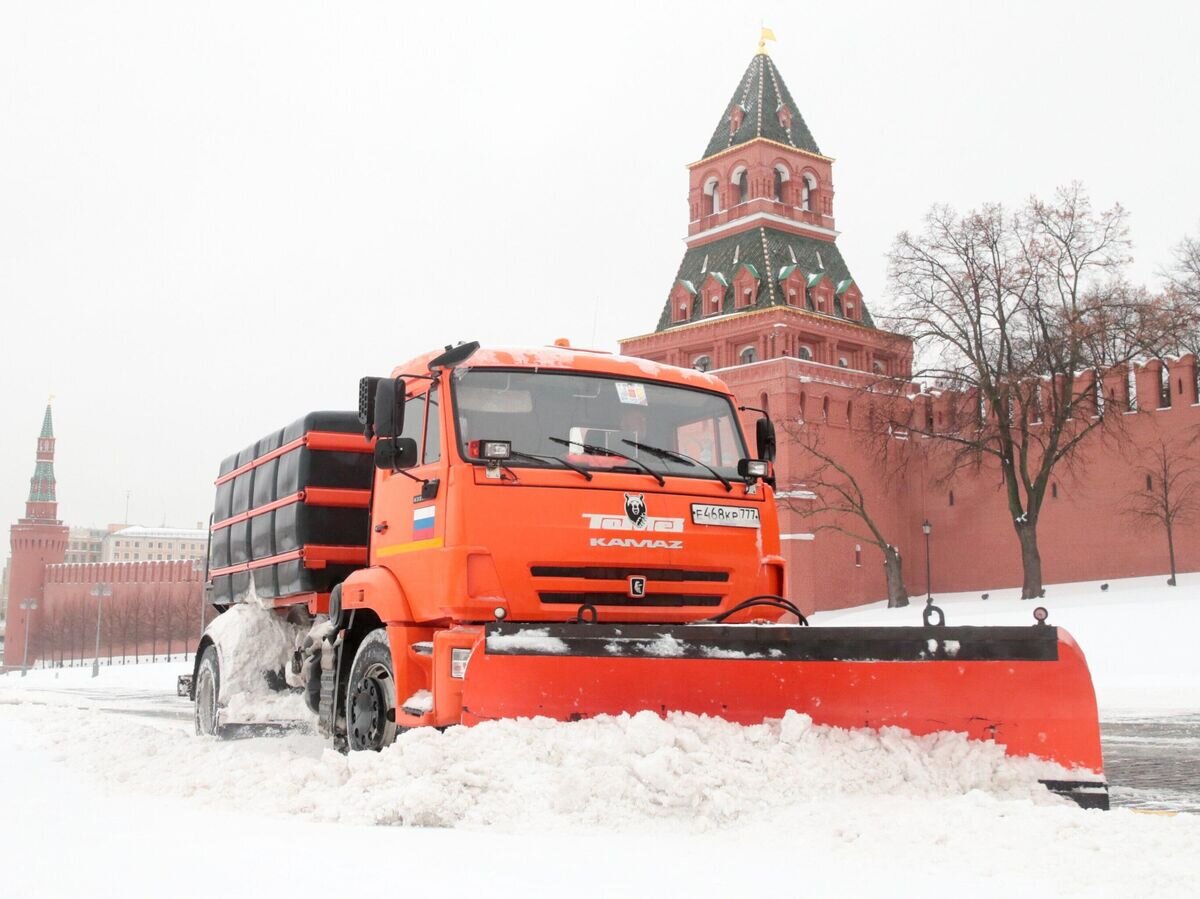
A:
506,533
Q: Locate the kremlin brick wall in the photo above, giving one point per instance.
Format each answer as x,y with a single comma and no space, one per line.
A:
1086,530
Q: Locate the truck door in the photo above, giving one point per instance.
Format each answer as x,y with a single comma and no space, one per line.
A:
410,506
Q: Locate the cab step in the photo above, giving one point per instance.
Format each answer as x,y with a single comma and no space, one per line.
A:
419,704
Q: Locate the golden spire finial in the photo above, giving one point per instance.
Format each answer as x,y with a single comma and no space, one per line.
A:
50,399
766,35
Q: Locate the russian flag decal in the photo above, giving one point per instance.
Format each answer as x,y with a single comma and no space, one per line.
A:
423,522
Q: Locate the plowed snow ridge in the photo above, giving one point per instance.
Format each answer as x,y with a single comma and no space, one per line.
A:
638,770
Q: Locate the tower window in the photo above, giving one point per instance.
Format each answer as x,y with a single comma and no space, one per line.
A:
702,363
804,353
843,362
748,355
741,178
857,556
712,197
952,497
781,177
808,187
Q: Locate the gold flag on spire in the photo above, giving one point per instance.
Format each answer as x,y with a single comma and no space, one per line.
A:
766,35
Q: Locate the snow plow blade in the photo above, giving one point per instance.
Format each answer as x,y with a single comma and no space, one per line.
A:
1026,688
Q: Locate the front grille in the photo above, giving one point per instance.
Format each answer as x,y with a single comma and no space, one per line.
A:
598,598
600,573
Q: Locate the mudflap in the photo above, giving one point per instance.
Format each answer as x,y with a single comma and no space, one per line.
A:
1026,688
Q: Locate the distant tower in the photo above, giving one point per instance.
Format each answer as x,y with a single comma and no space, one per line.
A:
764,299
39,539
762,277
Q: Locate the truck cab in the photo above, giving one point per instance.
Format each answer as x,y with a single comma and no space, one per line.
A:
546,486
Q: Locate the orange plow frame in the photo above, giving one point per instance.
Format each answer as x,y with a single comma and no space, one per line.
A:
1026,688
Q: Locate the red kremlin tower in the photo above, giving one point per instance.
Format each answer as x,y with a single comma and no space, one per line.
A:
39,539
764,298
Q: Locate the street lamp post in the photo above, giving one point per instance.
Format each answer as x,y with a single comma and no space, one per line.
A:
927,528
99,591
27,605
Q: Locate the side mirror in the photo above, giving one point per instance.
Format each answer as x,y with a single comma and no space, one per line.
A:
392,452
406,452
389,408
395,453
764,431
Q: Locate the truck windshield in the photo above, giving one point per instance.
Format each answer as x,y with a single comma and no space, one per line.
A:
563,415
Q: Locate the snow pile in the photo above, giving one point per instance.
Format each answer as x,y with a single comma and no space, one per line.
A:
178,798
686,771
255,643
1138,635
533,639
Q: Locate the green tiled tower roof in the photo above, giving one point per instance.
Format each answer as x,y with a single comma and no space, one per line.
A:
41,485
771,254
760,94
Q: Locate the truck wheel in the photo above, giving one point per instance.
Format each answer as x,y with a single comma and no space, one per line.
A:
208,689
371,695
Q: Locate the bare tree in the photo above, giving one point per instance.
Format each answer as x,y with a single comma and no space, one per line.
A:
1168,489
135,614
120,617
172,616
78,625
54,631
1184,273
839,504
153,615
1020,316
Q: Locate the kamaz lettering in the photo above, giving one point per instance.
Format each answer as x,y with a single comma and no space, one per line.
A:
635,543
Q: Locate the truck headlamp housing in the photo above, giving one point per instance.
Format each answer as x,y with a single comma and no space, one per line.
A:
491,450
459,656
754,468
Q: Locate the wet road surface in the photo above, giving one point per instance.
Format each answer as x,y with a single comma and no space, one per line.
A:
1153,763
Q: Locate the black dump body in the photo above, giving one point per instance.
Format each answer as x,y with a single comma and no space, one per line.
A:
269,510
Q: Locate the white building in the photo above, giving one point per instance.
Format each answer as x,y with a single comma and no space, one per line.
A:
85,544
140,544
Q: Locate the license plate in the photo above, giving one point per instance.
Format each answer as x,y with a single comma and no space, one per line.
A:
729,516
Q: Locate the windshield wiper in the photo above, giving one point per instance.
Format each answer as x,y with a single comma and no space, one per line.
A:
680,457
571,465
594,450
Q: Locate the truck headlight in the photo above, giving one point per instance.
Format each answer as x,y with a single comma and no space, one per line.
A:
458,662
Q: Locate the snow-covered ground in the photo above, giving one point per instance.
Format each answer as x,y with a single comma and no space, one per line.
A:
107,793
1139,635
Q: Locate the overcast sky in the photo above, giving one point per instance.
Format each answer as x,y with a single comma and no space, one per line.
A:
215,217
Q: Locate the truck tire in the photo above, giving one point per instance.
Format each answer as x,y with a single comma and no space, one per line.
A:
371,695
208,691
